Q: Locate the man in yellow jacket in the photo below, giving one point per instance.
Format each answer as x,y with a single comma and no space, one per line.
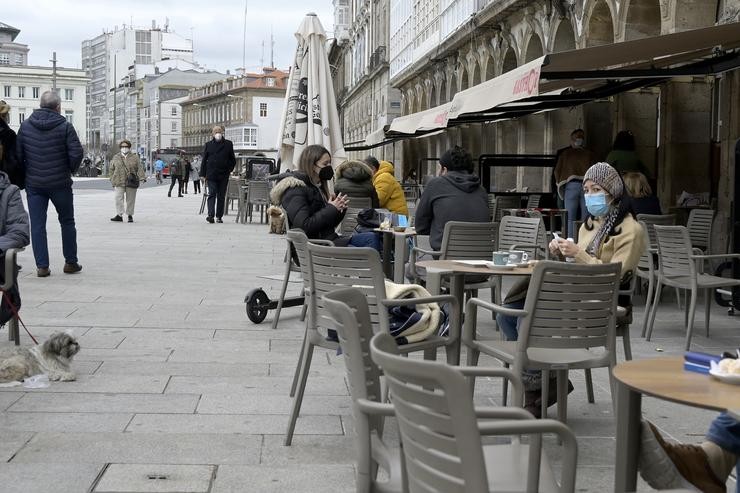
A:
390,193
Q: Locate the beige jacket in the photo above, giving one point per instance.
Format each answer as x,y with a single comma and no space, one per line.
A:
120,167
625,247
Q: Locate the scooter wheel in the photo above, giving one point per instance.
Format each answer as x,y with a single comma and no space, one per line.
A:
257,305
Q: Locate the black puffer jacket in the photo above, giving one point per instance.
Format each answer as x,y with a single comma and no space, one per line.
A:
48,149
306,208
8,158
218,159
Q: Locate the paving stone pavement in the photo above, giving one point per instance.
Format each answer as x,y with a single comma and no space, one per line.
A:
178,391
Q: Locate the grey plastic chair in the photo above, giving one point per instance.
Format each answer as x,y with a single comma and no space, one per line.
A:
332,268
646,265
297,241
258,195
463,241
233,192
499,206
533,201
521,233
700,229
11,255
677,267
441,431
204,200
569,312
351,316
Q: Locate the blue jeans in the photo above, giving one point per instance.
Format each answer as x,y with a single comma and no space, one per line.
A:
367,239
725,432
510,325
574,203
38,205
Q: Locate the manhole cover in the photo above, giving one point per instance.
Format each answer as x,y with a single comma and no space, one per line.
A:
155,478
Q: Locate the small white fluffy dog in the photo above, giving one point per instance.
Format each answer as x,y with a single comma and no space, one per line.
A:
53,358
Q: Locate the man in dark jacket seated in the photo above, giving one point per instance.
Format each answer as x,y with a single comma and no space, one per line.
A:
49,151
455,195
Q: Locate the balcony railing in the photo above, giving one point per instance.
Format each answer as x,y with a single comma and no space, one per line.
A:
378,58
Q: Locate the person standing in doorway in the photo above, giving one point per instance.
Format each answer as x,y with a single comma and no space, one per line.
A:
49,150
572,164
122,165
217,164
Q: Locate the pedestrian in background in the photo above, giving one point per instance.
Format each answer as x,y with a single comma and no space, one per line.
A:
49,150
8,159
176,170
217,164
195,175
125,164
573,162
188,168
158,167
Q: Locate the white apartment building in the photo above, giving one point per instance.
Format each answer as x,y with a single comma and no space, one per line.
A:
22,86
109,58
11,53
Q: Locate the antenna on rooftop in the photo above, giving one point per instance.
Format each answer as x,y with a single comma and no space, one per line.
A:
262,58
272,49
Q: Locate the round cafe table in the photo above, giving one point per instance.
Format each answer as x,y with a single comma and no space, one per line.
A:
662,378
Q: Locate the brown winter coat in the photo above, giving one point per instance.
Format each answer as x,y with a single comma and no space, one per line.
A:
119,169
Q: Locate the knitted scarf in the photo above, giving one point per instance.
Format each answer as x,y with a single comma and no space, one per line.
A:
607,223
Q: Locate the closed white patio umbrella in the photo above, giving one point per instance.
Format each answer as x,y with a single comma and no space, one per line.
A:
310,112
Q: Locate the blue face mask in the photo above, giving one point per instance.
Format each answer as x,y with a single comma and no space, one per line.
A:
596,204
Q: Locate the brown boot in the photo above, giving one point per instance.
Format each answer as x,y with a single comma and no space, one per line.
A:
666,465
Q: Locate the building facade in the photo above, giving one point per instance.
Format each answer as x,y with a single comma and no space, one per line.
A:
109,60
11,53
249,106
22,86
359,57
684,135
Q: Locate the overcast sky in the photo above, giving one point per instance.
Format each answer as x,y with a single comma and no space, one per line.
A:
217,26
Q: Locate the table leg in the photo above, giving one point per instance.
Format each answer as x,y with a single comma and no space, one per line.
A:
387,255
457,289
629,415
434,281
401,252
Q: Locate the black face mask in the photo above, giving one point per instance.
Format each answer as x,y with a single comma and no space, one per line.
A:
326,173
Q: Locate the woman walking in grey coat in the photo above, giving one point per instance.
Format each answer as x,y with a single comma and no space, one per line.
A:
195,174
121,166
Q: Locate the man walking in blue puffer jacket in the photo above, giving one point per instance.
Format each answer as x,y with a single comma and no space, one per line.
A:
49,150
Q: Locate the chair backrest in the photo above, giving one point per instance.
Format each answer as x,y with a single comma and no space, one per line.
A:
524,233
533,201
356,202
334,268
651,220
258,192
570,306
498,206
674,251
299,241
436,418
700,228
234,188
646,258
347,227
462,240
348,309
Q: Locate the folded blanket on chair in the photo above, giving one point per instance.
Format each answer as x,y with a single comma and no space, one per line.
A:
412,323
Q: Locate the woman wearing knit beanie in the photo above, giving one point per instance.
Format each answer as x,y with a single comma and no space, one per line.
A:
610,234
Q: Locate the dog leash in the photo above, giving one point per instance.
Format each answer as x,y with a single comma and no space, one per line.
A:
14,310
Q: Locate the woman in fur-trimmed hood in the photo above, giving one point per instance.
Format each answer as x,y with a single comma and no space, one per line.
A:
309,204
355,178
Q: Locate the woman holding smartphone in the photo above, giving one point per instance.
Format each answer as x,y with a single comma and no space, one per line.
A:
309,204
